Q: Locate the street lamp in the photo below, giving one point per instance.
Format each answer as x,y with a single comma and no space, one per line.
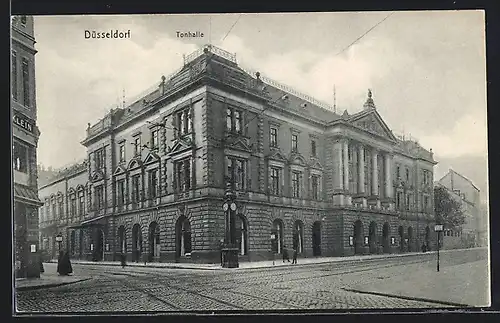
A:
438,228
230,251
59,240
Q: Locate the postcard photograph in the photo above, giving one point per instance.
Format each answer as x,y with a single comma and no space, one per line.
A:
277,162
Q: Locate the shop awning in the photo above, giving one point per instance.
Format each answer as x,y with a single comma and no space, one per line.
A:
25,194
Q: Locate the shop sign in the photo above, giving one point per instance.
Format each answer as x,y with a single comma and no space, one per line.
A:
23,123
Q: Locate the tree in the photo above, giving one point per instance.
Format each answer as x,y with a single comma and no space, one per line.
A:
448,211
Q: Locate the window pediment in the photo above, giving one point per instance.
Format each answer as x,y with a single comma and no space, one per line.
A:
180,145
152,157
315,164
97,175
135,163
120,170
277,155
297,159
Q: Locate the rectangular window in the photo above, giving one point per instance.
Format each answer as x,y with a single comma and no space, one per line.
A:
398,200
20,157
73,205
61,208
26,83
408,202
99,196
183,122
135,189
122,152
236,172
137,146
153,184
315,187
154,139
183,174
14,76
295,141
234,120
120,193
273,137
99,159
54,210
407,175
398,172
426,203
313,148
275,181
81,202
296,184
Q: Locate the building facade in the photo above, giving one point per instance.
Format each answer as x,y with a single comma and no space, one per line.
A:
473,232
25,136
323,183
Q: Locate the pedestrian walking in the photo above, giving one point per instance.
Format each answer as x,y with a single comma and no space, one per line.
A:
285,254
294,261
123,258
64,267
424,249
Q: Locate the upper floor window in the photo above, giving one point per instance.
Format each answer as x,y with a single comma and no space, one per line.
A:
275,181
137,146
398,172
120,192
81,202
61,208
296,184
54,209
295,143
99,196
234,120
273,137
122,152
408,199
14,76
73,205
426,203
315,187
399,196
20,156
153,183
236,172
313,148
26,83
183,121
154,139
135,189
183,174
99,158
407,175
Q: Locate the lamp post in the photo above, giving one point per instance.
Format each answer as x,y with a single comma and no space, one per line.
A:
230,251
438,228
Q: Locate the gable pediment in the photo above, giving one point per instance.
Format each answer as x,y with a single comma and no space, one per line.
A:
96,176
134,163
297,159
277,155
240,144
373,123
151,158
179,146
119,170
315,164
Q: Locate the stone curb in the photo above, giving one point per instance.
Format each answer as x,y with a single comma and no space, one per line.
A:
49,285
133,265
411,298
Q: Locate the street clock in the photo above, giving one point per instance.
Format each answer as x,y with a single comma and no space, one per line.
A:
225,207
233,206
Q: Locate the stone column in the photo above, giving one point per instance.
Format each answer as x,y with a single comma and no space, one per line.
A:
361,169
340,163
345,162
388,175
374,172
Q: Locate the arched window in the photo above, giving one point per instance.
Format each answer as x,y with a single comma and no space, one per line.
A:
277,231
241,234
72,243
298,236
122,240
154,241
136,242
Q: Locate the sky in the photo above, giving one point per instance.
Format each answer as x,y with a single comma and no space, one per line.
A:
426,69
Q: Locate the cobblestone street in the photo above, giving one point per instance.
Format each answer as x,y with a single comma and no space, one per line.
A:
321,286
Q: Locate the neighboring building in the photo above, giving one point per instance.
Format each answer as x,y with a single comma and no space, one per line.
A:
24,144
472,233
324,183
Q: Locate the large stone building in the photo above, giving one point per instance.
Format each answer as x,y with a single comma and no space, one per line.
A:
324,183
473,232
24,144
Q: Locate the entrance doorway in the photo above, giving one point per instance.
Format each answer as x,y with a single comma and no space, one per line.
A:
428,238
401,238
136,242
373,237
98,253
316,238
154,242
385,237
358,237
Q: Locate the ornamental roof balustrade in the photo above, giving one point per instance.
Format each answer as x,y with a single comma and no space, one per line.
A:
212,49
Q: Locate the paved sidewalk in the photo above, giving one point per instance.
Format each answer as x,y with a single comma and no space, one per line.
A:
257,264
462,285
50,278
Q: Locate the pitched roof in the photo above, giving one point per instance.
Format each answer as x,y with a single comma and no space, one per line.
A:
468,180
